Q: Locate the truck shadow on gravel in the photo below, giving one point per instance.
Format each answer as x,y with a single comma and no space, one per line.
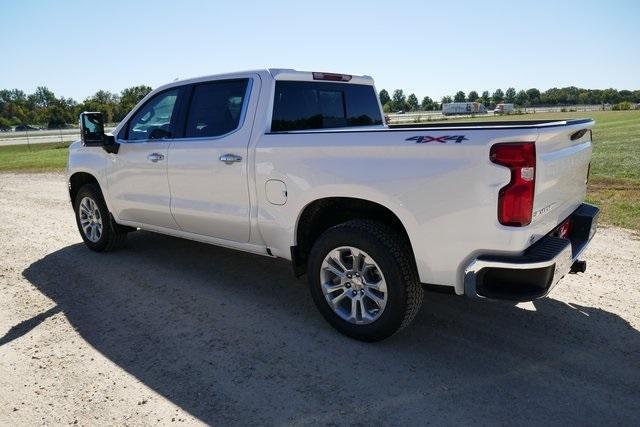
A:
234,338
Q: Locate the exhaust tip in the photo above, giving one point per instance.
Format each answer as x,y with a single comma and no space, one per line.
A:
578,267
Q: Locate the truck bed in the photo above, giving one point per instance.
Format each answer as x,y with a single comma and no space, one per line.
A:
497,124
479,125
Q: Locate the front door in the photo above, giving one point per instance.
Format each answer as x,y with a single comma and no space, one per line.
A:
138,185
208,167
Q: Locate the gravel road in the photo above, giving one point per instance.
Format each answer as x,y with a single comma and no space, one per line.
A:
171,331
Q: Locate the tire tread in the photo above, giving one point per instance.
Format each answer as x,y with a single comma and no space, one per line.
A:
395,252
115,237
402,254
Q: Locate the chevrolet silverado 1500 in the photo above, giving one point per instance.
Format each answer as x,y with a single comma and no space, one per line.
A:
301,165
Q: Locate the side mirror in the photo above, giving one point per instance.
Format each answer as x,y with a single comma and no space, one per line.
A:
92,129
92,132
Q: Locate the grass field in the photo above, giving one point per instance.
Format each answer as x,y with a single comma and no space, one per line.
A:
615,170
34,158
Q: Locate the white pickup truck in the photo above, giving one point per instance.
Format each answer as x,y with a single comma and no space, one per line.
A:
301,166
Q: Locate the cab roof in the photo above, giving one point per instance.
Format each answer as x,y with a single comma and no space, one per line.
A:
278,74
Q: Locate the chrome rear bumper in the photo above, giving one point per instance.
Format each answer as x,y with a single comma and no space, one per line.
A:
533,274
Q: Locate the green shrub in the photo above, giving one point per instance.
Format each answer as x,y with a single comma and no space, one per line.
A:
624,105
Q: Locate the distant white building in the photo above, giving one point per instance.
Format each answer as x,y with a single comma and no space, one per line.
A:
463,108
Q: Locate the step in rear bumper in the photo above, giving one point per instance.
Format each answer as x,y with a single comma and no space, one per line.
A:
533,274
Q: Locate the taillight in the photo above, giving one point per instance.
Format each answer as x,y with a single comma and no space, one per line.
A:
515,200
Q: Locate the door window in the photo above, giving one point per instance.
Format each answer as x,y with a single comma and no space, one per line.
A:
216,108
155,119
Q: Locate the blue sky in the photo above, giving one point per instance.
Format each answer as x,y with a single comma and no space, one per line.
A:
430,48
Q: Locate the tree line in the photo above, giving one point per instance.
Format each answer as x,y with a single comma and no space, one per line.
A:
44,108
533,97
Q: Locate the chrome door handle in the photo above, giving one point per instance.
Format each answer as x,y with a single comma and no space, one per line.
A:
155,157
230,158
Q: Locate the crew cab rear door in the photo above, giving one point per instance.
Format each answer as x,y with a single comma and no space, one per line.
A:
208,165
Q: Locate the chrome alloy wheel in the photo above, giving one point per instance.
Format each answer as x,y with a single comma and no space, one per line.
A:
90,219
353,285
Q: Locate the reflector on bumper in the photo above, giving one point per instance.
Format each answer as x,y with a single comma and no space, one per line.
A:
533,274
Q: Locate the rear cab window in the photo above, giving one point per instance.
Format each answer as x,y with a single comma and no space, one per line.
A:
301,105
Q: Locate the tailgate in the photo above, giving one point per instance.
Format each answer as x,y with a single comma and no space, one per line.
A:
563,155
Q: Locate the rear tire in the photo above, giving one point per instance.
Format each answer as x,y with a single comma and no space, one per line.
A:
381,300
97,228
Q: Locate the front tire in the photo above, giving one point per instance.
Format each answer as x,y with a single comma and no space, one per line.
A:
363,280
97,229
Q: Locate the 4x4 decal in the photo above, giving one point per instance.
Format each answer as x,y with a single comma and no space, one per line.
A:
442,139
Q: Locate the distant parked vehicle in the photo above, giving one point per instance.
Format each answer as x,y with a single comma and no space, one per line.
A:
504,109
453,108
23,128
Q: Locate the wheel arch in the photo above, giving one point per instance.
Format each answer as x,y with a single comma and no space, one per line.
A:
321,214
77,180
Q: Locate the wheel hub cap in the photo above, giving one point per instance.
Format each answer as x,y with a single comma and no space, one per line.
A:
90,219
353,285
357,283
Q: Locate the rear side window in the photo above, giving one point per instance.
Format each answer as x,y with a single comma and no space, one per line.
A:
215,108
320,105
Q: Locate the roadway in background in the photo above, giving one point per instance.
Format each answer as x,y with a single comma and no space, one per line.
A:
41,136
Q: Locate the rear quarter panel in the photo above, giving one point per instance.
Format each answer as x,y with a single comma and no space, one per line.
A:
445,193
